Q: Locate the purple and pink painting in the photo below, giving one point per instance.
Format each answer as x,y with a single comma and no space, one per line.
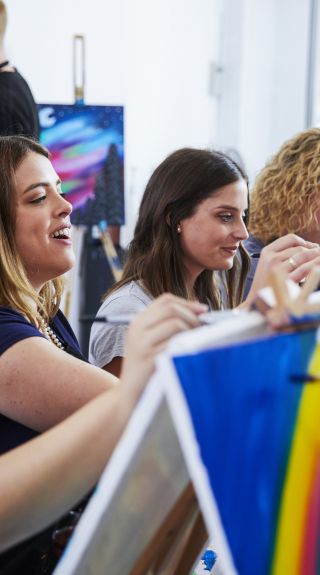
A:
87,150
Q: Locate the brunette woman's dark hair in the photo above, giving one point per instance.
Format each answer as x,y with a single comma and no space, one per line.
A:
176,188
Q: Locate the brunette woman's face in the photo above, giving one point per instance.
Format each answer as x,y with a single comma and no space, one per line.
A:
42,226
211,237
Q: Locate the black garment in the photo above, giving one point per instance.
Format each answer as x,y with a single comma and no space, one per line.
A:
13,328
38,555
18,110
33,557
93,259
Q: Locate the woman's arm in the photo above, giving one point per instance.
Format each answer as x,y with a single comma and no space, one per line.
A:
114,366
43,478
46,476
40,385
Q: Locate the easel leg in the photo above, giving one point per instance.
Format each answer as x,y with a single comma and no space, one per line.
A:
178,542
196,541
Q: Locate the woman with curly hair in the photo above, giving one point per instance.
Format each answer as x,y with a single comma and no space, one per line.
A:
286,197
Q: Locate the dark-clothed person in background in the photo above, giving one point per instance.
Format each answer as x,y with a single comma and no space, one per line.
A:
18,110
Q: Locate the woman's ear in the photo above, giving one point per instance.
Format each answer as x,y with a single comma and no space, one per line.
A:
168,220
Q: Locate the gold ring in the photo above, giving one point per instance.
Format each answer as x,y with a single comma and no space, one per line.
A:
292,263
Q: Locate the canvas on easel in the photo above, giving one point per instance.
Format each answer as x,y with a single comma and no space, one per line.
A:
87,151
144,507
144,515
86,143
243,425
247,413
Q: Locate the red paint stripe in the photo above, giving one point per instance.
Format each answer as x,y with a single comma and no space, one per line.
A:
308,564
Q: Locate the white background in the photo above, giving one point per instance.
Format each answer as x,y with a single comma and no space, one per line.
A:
157,58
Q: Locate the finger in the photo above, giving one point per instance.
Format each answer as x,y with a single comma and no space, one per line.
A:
187,313
171,321
294,257
300,257
167,306
289,241
161,334
311,283
278,317
196,306
301,272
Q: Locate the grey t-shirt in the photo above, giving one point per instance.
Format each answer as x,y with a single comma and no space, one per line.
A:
107,339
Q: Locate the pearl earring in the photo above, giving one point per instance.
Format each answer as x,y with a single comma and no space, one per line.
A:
178,229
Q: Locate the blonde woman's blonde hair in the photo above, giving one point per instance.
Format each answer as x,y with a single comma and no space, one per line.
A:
3,20
16,291
286,193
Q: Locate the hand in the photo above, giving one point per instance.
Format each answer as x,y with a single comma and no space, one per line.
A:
150,332
304,267
291,253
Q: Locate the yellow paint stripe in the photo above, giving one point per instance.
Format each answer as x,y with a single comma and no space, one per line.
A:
295,497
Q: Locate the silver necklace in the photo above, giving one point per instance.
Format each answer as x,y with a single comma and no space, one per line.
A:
49,334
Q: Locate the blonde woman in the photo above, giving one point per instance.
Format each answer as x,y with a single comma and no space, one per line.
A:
42,478
286,197
44,379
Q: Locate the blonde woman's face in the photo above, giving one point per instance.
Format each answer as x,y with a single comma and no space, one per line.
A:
42,226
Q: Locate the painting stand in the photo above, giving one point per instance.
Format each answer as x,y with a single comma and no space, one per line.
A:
142,517
178,542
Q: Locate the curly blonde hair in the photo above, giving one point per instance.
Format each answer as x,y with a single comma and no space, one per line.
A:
286,193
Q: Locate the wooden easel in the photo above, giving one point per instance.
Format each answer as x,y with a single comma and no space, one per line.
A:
290,313
110,251
178,542
298,306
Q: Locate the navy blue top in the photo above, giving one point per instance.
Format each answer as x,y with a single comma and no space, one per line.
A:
13,328
254,247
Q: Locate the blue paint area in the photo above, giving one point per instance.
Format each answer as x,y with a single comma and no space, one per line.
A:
243,407
209,558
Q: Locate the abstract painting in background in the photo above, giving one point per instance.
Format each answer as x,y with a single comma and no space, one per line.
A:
86,145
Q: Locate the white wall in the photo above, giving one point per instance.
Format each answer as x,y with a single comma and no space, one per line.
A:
153,56
315,68
169,105
264,54
39,41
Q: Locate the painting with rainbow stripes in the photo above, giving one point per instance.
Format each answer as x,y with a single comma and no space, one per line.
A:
86,145
250,431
